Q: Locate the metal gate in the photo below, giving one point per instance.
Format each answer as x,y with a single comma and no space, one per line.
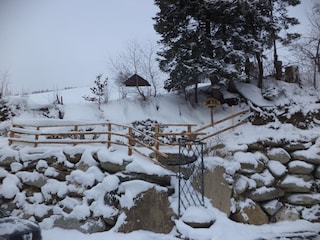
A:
190,174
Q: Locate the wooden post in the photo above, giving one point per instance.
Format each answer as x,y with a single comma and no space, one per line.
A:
130,141
36,137
109,135
11,135
189,131
75,136
156,143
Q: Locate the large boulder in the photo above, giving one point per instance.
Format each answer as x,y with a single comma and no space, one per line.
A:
217,189
251,214
151,212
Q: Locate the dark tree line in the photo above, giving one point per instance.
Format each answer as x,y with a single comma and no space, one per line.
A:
217,40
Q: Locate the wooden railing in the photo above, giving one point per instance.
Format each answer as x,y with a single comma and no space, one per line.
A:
74,134
233,125
61,132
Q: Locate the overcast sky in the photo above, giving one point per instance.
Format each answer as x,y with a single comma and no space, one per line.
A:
52,44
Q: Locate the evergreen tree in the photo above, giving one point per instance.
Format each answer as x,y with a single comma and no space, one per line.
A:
99,91
213,39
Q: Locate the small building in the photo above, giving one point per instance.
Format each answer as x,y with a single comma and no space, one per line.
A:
136,81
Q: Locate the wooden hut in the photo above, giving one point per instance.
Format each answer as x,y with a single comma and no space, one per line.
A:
136,81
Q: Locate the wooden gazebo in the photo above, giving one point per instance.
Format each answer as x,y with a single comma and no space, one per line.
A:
136,81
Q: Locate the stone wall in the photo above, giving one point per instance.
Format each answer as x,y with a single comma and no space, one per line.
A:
277,182
87,191
273,182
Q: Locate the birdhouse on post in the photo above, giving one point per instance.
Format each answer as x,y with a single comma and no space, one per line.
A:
212,103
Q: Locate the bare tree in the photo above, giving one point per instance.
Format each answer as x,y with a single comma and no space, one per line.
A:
4,84
137,59
308,51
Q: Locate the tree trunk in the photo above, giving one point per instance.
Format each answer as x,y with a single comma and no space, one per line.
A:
196,93
247,69
317,65
260,68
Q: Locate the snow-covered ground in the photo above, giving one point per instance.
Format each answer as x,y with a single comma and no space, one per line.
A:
172,109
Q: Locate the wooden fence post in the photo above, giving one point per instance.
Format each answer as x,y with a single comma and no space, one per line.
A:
75,136
189,137
130,143
36,137
11,135
109,135
156,143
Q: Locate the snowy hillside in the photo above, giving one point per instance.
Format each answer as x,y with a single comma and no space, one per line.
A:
170,108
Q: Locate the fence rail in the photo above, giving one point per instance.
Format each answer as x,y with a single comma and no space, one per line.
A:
103,133
60,132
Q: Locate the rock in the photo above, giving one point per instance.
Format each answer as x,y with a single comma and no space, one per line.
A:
271,207
257,146
304,199
295,147
87,226
317,173
67,223
152,178
295,184
73,158
266,193
33,179
93,226
277,169
7,161
198,217
279,154
252,214
300,167
155,219
217,189
241,184
15,167
112,167
249,162
263,179
287,213
304,156
175,159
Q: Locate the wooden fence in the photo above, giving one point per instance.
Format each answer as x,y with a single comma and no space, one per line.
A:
60,132
103,133
231,126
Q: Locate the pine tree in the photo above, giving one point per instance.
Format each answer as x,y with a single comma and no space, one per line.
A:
213,39
99,91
